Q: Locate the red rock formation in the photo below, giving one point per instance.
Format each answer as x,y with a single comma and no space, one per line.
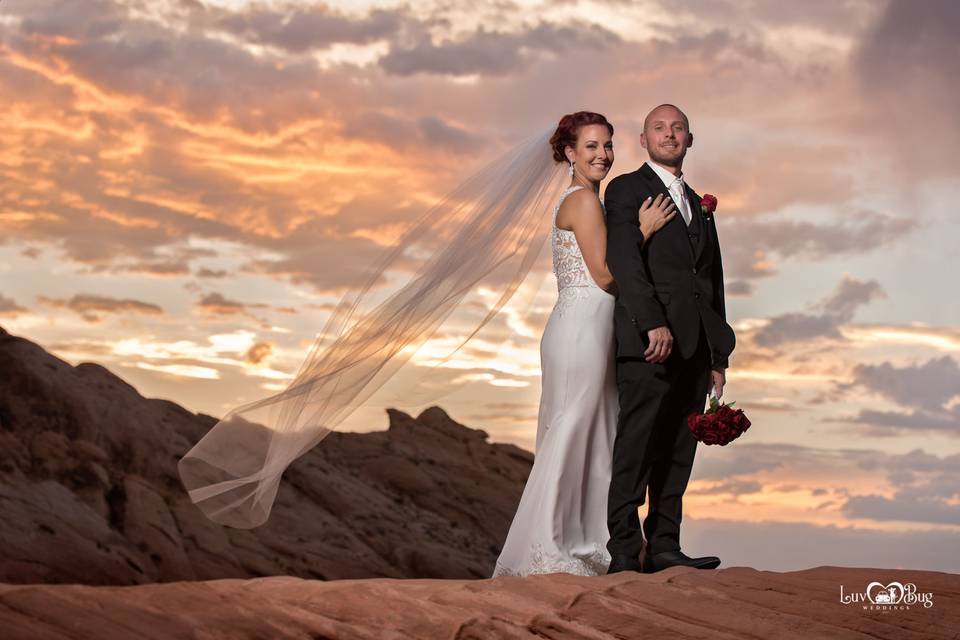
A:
678,603
89,491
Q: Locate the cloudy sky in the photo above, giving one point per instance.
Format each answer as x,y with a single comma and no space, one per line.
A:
187,186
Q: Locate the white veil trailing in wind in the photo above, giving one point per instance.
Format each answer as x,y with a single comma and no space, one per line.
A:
485,235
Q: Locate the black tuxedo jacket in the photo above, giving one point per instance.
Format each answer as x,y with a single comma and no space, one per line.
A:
675,280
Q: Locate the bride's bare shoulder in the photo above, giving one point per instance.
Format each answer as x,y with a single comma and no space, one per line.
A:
578,205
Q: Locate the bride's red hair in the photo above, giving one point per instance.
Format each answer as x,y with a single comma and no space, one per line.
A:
569,128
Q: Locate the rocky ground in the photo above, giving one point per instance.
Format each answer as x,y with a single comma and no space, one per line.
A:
679,603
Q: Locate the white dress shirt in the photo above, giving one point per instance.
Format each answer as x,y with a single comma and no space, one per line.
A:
675,186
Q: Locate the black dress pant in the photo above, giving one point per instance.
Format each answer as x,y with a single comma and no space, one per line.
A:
654,448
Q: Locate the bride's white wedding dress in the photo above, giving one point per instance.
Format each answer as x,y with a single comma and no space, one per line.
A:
561,523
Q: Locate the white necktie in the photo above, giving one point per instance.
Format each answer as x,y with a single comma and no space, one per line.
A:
676,190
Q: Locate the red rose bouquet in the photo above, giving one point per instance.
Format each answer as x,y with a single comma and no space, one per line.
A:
721,424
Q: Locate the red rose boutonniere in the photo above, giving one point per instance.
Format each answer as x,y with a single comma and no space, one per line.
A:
721,424
708,204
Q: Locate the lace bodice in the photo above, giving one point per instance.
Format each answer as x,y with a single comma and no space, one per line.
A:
573,278
568,263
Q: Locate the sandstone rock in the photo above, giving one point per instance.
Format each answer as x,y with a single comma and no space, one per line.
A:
428,497
679,603
150,526
50,536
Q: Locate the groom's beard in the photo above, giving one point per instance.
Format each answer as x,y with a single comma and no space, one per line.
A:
673,163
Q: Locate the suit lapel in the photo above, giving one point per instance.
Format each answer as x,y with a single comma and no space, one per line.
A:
676,226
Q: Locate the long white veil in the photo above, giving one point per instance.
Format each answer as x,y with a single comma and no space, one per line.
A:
485,235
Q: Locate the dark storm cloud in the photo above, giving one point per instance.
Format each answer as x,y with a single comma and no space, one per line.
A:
713,42
211,273
9,307
294,29
216,303
195,73
911,39
738,288
797,327
925,486
925,390
877,507
925,386
893,423
329,266
908,64
428,133
91,307
744,460
436,132
850,294
837,309
789,239
315,27
88,19
174,262
158,268
493,52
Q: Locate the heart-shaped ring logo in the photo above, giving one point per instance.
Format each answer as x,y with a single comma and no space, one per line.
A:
889,594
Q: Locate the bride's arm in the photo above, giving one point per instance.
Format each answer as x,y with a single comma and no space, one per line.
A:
581,213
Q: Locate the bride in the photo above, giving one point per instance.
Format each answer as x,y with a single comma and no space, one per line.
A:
561,522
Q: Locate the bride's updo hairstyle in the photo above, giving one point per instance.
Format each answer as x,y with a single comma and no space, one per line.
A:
569,128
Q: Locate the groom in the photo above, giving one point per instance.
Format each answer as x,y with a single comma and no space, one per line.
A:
673,345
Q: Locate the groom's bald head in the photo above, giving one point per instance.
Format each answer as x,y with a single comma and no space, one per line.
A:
664,110
666,136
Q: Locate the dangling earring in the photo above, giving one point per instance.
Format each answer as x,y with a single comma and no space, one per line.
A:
571,168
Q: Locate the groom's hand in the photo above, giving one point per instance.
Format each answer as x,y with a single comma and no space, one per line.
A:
718,377
661,343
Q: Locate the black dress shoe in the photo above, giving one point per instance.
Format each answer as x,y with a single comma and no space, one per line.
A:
623,563
677,558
